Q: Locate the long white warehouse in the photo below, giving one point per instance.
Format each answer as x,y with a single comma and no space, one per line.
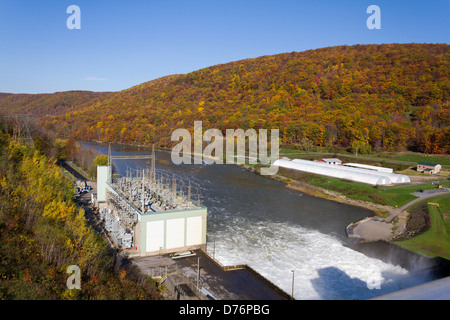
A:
353,174
365,166
395,178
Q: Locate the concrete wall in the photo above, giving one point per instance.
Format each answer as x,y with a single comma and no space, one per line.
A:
164,232
102,177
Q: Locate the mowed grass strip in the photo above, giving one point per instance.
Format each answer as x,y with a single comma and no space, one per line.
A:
435,242
395,196
444,161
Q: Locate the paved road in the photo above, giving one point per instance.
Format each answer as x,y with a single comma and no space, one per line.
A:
409,204
74,172
374,230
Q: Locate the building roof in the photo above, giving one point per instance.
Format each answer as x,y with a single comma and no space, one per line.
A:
428,164
331,160
341,172
365,166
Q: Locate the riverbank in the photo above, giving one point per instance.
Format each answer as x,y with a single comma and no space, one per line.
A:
388,224
428,228
261,223
368,231
314,191
382,202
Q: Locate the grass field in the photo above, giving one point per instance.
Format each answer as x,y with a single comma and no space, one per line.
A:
414,158
388,158
401,162
436,241
395,196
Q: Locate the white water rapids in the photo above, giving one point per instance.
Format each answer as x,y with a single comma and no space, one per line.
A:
257,221
323,267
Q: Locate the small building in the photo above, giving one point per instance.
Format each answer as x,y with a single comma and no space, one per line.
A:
430,168
331,160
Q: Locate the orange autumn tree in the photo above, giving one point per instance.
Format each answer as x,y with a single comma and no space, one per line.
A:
393,90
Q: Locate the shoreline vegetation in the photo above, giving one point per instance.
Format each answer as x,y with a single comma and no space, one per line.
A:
314,191
359,195
381,210
423,228
428,232
311,190
44,231
135,289
365,100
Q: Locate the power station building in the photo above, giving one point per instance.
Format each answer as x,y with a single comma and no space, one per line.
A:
367,176
149,214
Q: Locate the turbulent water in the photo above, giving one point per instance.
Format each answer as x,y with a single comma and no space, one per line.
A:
323,267
283,234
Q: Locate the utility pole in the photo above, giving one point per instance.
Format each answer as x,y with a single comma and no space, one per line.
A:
198,271
214,247
292,284
153,173
109,163
143,190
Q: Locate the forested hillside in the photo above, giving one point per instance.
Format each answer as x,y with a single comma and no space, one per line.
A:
45,104
370,97
43,231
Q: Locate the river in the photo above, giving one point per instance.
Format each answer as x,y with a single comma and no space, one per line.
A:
283,233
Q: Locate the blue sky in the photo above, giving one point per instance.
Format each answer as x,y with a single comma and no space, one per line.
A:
124,43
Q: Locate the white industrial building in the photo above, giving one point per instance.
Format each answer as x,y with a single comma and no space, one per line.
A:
149,214
368,167
342,172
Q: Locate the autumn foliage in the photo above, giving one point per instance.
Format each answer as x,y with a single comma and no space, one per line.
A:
43,231
365,97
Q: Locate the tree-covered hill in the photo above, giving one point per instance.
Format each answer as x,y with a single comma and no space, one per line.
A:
45,104
370,97
43,232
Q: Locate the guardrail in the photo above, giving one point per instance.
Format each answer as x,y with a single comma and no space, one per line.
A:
433,203
77,168
179,284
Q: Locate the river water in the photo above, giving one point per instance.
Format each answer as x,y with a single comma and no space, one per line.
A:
286,235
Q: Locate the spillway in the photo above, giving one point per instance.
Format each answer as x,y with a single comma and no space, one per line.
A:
257,221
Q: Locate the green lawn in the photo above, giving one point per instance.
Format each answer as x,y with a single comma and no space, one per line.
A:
392,195
389,159
411,157
401,194
436,241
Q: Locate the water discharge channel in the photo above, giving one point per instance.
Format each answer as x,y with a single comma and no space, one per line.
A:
282,233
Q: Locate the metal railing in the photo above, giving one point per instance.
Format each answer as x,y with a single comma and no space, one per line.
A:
180,285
